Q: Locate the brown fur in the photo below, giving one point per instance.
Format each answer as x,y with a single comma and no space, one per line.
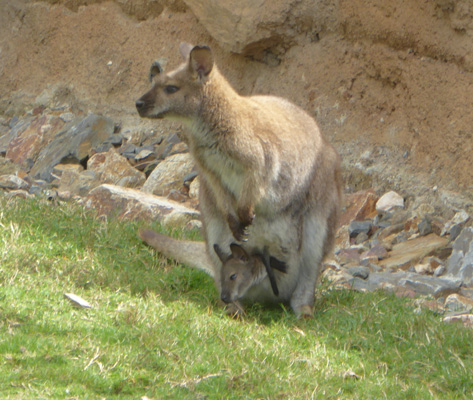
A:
267,174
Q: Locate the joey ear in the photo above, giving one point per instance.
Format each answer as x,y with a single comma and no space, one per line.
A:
201,61
239,252
155,70
223,258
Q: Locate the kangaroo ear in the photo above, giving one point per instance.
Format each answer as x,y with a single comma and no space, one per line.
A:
239,252
185,49
201,61
223,258
155,70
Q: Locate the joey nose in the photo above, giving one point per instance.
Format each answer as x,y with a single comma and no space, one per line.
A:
225,298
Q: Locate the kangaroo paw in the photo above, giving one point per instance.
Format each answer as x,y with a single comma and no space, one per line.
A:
239,230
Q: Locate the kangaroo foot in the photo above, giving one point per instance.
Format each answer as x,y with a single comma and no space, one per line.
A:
304,311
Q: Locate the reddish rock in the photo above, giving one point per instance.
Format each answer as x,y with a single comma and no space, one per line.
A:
126,203
349,255
411,251
169,174
359,206
113,168
25,147
377,252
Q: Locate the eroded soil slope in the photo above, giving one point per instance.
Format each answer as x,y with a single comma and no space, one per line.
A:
391,83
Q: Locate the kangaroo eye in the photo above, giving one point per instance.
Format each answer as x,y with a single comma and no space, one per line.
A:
170,89
233,277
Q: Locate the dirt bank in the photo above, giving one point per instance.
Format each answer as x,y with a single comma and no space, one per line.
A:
390,84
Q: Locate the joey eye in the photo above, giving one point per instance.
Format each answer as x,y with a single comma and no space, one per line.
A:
170,89
233,277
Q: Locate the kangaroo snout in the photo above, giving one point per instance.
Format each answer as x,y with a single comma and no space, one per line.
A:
140,104
225,297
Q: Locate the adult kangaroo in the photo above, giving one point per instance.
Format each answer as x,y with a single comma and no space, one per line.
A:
268,178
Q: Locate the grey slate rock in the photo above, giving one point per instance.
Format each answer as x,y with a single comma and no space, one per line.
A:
359,272
460,263
75,141
425,227
438,287
357,227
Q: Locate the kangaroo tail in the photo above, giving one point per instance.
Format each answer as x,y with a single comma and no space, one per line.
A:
191,253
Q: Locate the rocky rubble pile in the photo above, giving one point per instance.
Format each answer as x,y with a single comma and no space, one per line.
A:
91,159
383,242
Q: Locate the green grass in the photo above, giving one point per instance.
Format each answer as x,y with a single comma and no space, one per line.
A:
156,329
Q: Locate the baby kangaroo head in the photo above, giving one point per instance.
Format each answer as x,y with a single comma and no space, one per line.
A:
239,272
177,94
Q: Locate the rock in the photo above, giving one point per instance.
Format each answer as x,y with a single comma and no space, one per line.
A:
389,201
361,238
375,253
385,233
377,281
145,155
466,319
24,149
189,178
23,194
113,168
460,263
359,272
78,183
437,224
456,302
169,175
17,127
166,146
440,270
74,142
7,167
424,269
59,169
428,285
424,210
407,253
115,140
12,182
456,223
357,227
424,227
349,255
250,27
126,203
359,206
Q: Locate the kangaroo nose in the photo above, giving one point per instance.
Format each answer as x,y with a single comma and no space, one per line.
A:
140,104
225,298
